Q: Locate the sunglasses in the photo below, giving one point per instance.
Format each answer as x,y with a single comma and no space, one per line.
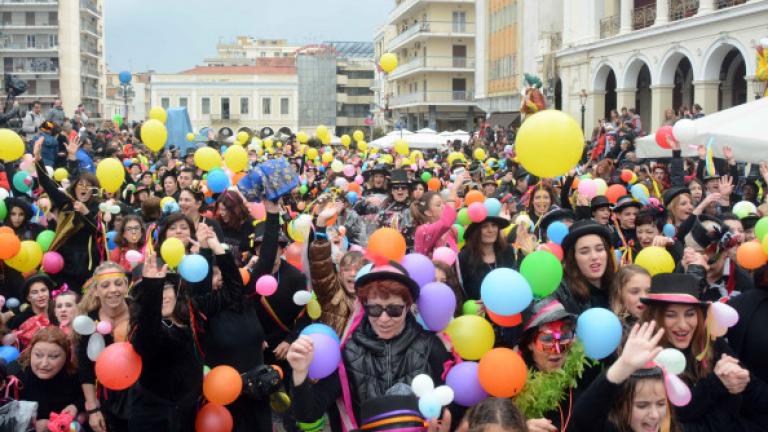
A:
399,187
392,310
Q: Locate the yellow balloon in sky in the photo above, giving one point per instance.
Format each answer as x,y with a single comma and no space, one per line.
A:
327,157
154,134
321,131
326,139
242,137
11,145
60,174
312,153
302,137
346,140
158,113
549,143
111,174
401,147
388,62
190,136
236,158
358,135
479,154
207,158
362,146
172,250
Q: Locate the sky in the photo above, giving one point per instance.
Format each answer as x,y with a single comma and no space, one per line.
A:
175,35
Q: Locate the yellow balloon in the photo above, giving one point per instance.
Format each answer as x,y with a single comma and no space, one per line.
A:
416,155
387,159
327,157
60,174
656,260
358,135
158,113
374,151
471,335
312,153
28,258
362,146
454,156
549,143
313,309
172,250
337,166
18,262
165,201
346,140
111,174
190,136
242,137
154,134
236,158
302,137
321,131
11,145
401,147
479,154
326,139
388,62
268,143
207,158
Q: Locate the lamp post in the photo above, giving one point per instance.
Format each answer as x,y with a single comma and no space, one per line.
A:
583,99
126,91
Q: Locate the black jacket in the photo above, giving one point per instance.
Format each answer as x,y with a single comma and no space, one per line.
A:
472,275
598,297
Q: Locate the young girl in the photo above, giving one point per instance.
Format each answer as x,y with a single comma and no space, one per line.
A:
631,283
130,237
433,219
493,415
65,308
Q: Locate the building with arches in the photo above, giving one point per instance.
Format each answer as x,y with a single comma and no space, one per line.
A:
657,56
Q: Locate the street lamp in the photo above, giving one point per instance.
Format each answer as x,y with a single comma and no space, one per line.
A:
583,99
125,91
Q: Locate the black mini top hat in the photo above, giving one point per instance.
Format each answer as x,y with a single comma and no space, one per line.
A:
390,413
673,193
674,288
582,228
625,202
377,169
555,215
599,202
398,177
389,271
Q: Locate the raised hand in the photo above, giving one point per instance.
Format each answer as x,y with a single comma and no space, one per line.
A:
641,347
151,269
726,186
328,212
38,148
299,356
72,147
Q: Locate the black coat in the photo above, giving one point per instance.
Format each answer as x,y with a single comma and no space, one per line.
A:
598,297
472,275
52,395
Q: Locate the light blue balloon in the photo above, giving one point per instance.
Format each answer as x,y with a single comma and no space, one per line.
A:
421,322
429,406
193,268
364,270
493,206
638,193
352,197
318,328
599,330
12,303
111,245
218,181
618,254
9,353
505,292
669,230
125,77
556,232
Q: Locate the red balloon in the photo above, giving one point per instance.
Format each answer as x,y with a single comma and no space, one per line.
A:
118,366
555,248
213,418
505,320
293,255
614,192
626,176
662,134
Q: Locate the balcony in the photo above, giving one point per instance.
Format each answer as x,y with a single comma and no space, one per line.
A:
434,64
406,6
680,9
643,17
32,66
722,4
609,26
433,98
89,49
91,7
11,46
90,29
430,29
30,4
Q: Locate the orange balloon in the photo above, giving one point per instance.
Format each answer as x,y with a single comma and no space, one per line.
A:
473,197
354,187
433,184
502,372
118,366
213,418
293,255
245,274
332,220
7,229
236,177
9,245
749,255
575,184
387,243
222,385
505,320
614,192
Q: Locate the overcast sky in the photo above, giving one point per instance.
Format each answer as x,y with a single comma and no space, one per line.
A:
174,35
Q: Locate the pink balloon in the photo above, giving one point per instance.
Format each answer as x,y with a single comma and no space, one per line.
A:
359,179
677,392
725,315
555,248
9,339
266,285
104,327
53,262
257,211
445,255
133,256
588,188
349,170
2,301
477,212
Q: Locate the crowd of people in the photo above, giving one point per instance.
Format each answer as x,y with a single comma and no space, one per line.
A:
355,252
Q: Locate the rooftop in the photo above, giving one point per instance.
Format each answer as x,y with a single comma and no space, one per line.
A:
264,66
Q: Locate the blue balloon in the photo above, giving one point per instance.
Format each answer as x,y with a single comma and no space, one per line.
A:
556,232
125,77
638,193
429,406
127,163
599,330
171,207
9,353
111,245
420,321
618,254
352,197
193,268
12,303
505,292
318,328
493,206
209,200
669,230
223,149
217,181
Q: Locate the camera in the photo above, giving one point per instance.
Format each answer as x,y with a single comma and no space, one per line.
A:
261,382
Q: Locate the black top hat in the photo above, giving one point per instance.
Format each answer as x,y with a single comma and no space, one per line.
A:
749,221
704,237
673,193
391,412
599,202
474,226
390,271
545,311
625,202
555,216
376,169
582,228
398,176
674,288
38,277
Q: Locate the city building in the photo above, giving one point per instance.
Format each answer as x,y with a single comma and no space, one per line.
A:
57,47
382,113
245,50
434,84
265,94
136,106
656,56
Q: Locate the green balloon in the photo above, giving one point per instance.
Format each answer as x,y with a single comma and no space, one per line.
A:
425,177
761,228
543,272
45,238
470,307
303,189
463,217
459,232
3,210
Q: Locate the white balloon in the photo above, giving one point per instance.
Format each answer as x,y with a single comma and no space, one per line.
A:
684,131
422,384
764,42
3,194
83,325
133,256
444,395
95,346
302,298
672,360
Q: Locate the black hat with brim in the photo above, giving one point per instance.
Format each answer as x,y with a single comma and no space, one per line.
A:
390,271
749,221
672,193
545,311
398,177
390,413
377,169
499,221
625,202
674,288
581,229
599,202
555,216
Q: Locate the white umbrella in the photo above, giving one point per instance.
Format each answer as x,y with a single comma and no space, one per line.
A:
426,131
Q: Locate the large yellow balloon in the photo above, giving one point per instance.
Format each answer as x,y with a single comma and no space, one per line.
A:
471,335
326,139
479,154
28,258
172,251
358,135
656,260
321,131
312,153
346,140
302,137
362,146
11,145
154,134
207,158
242,137
454,156
327,157
158,113
267,143
111,174
401,147
60,174
549,143
388,62
166,200
236,158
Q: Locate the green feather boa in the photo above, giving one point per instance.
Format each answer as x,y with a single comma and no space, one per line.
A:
543,391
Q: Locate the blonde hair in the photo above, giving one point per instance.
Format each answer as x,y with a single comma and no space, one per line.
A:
90,301
623,276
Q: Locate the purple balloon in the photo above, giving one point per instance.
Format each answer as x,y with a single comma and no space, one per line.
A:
327,356
464,381
437,303
420,268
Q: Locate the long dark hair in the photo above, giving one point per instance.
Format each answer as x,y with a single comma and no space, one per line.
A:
236,209
577,283
119,237
473,245
170,220
552,198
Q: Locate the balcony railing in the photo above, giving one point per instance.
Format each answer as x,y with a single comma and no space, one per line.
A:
29,2
17,46
434,63
433,27
609,26
90,27
432,97
679,9
643,17
90,5
32,66
722,4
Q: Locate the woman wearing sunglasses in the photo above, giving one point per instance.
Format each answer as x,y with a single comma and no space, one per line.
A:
385,347
395,210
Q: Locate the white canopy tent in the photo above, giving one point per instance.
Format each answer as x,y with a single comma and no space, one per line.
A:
423,139
740,128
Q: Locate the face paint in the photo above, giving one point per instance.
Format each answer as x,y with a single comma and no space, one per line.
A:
554,337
